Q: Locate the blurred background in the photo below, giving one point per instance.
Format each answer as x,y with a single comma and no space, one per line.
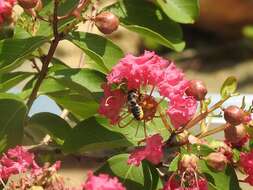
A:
218,45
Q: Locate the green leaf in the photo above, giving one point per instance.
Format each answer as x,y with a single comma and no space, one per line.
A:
52,124
87,78
82,106
149,21
144,177
225,180
104,52
229,87
89,135
9,80
183,11
13,112
14,51
174,164
201,149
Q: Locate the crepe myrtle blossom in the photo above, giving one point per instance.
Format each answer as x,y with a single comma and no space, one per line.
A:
152,151
148,71
6,7
15,161
175,184
181,110
102,182
246,162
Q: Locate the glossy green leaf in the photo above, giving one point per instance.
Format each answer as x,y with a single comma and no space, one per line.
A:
104,52
143,177
9,80
77,104
183,11
89,135
173,167
225,180
52,124
201,149
14,51
12,112
87,78
149,21
229,87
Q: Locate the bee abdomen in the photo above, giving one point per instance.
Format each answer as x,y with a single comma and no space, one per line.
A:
137,112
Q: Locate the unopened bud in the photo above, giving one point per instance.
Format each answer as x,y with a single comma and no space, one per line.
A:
217,161
27,4
106,22
189,161
234,115
197,89
39,6
234,134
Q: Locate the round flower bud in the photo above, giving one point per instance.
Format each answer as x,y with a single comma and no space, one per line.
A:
234,134
39,6
197,89
217,161
234,115
188,161
106,22
27,4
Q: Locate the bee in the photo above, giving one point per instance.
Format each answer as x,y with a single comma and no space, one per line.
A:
132,101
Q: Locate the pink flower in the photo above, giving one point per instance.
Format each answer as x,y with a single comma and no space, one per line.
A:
102,182
15,161
249,179
143,70
174,184
246,162
181,110
172,82
152,151
112,103
6,7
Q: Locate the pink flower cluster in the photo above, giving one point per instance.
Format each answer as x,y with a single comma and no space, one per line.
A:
15,161
152,151
246,162
149,69
174,184
6,7
102,182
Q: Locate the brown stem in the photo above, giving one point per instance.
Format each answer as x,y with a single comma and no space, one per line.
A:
47,59
34,65
164,120
203,115
211,132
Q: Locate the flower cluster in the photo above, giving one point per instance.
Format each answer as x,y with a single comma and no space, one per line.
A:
102,182
246,162
148,71
152,151
6,7
16,160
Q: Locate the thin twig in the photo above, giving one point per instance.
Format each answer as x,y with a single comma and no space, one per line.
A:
47,59
34,65
211,132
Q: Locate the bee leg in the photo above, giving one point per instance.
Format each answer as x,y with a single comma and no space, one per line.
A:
145,129
137,129
125,125
152,90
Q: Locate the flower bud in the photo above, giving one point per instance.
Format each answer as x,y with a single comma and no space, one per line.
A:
234,134
217,161
27,4
39,6
106,22
234,115
188,161
197,89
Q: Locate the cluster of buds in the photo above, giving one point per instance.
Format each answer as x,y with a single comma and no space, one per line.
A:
235,131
